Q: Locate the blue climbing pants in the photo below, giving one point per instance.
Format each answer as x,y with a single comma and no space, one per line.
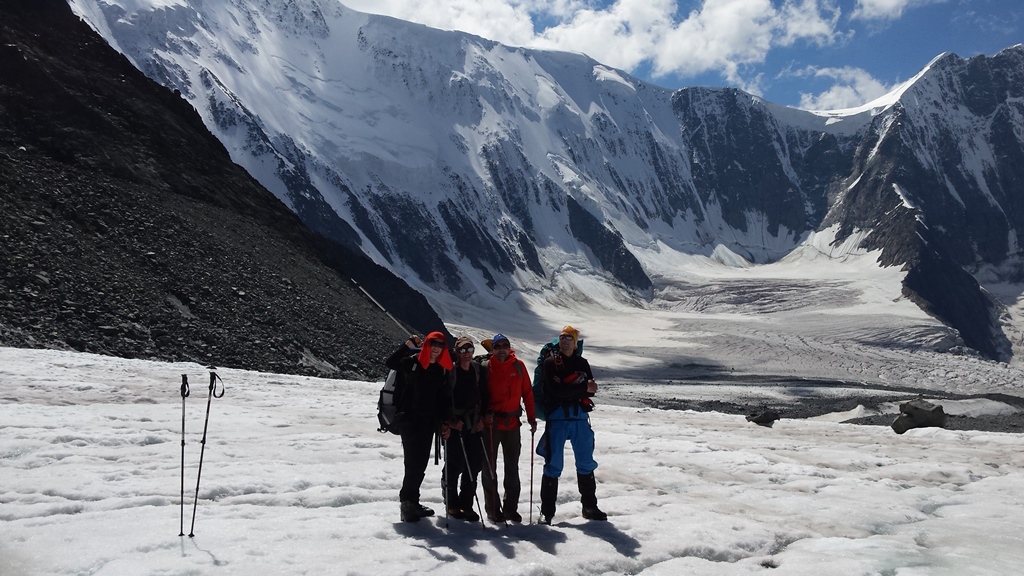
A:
552,443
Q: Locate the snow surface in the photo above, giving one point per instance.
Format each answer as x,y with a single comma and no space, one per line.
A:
296,480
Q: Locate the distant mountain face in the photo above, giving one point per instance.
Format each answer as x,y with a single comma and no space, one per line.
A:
475,168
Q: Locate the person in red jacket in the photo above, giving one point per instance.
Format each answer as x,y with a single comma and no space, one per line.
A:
509,386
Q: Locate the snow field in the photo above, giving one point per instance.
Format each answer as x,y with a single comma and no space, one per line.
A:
297,481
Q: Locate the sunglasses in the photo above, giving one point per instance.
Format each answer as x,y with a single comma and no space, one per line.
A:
500,345
565,337
436,344
465,349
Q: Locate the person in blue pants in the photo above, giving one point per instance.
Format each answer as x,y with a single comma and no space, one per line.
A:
568,384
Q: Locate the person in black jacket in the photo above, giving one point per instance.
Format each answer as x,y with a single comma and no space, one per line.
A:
568,386
465,442
424,404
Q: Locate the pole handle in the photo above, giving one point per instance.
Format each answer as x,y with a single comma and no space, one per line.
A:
214,378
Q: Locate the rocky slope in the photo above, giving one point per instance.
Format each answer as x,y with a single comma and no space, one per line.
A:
125,229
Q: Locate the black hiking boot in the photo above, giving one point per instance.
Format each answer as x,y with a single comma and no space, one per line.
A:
410,512
548,495
588,497
470,515
424,511
456,513
513,516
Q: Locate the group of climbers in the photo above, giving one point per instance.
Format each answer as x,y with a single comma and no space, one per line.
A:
473,407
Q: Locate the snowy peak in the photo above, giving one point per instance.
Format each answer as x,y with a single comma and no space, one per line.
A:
480,170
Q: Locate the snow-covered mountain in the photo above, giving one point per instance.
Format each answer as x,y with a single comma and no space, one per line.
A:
482,170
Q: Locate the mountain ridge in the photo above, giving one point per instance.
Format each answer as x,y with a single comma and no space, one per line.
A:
387,136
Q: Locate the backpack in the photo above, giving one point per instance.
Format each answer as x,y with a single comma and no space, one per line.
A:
538,385
389,402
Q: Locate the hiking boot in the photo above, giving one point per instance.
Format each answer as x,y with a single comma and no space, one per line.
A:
424,511
456,513
513,516
548,495
588,488
410,512
496,518
545,520
470,516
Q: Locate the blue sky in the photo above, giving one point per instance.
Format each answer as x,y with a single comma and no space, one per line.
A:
818,54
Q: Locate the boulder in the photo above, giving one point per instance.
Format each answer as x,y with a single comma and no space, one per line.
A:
765,418
919,413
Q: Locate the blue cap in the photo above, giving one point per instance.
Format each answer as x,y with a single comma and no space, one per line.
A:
498,337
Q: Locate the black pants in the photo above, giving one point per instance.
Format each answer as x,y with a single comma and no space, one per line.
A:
416,440
509,444
460,483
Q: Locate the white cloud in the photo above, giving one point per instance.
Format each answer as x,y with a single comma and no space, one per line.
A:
723,36
622,35
853,87
887,9
809,19
727,35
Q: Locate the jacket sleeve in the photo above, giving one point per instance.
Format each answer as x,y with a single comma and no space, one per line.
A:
585,367
394,362
527,392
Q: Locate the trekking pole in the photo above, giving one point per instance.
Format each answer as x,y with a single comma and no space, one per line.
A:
444,484
185,392
382,309
469,470
532,451
202,451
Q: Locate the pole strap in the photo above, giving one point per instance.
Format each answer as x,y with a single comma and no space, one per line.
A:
214,378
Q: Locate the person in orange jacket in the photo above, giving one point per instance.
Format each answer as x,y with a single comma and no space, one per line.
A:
509,385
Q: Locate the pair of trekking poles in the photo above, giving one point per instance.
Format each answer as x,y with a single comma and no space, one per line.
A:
469,470
490,470
185,393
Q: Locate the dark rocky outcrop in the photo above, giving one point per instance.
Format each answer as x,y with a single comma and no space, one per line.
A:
125,229
607,246
745,159
919,413
764,418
